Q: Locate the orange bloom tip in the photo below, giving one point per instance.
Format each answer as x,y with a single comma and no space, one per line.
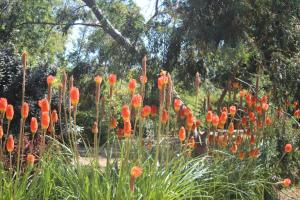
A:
209,116
132,85
286,182
113,123
164,116
54,116
9,112
181,134
127,129
45,120
50,80
10,144
112,79
44,105
30,159
3,104
136,171
74,96
177,105
125,113
98,80
146,111
136,101
33,125
288,148
24,110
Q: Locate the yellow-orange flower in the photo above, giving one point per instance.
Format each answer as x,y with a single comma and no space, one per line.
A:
132,85
44,105
3,104
209,116
10,144
9,112
127,129
215,120
177,105
30,159
286,182
125,113
54,116
113,123
181,134
50,80
74,96
136,101
136,171
112,79
33,125
164,116
24,110
98,80
232,110
45,120
146,111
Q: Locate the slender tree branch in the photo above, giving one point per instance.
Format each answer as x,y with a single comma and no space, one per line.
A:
58,24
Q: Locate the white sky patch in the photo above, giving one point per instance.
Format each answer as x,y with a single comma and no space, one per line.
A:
147,10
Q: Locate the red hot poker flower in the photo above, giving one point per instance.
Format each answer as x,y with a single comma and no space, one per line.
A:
288,148
45,120
132,85
3,105
146,111
30,159
33,125
136,171
136,101
44,105
24,110
215,120
164,117
127,129
153,110
232,110
9,112
10,144
54,116
112,79
209,116
98,80
286,182
181,134
74,96
50,80
177,105
125,113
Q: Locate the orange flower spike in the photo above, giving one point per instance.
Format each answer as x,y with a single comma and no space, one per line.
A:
132,85
288,148
3,105
297,113
136,171
146,111
209,116
54,116
33,125
242,155
1,132
30,159
231,128
252,140
98,80
127,129
268,121
160,82
24,110
113,123
223,117
181,134
153,111
45,120
164,116
265,106
136,101
264,99
252,116
125,113
50,80
198,122
286,182
234,148
74,95
215,120
248,100
177,105
44,105
112,79
10,144
190,121
232,110
9,112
